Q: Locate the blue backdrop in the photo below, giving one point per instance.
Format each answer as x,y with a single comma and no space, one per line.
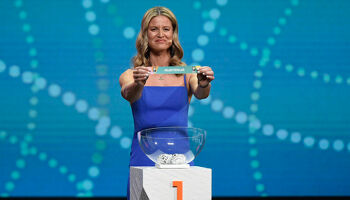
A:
277,118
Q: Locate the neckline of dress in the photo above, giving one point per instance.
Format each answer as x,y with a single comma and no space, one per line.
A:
163,86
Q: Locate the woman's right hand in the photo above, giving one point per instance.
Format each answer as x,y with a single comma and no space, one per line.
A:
141,74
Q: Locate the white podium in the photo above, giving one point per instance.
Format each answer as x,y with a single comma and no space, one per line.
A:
150,183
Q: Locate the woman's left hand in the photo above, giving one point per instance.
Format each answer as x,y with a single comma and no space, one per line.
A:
205,76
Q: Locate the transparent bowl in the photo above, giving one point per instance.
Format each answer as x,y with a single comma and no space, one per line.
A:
172,147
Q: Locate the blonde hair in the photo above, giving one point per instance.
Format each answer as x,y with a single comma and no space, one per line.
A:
143,51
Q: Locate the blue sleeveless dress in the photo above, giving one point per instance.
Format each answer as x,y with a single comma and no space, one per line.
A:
157,107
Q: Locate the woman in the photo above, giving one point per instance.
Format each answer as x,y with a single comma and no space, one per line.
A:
160,100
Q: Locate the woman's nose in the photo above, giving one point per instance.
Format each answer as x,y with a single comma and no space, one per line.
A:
161,33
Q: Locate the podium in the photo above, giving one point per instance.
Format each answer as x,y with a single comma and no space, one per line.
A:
151,183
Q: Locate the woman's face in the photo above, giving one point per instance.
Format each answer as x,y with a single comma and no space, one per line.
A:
160,33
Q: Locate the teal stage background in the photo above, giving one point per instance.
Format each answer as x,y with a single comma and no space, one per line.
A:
278,117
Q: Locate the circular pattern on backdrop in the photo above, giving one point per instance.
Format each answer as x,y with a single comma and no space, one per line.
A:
129,32
203,40
94,29
198,55
14,71
54,90
81,106
209,26
68,98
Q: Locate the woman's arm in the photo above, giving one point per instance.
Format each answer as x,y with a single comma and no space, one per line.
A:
132,82
200,83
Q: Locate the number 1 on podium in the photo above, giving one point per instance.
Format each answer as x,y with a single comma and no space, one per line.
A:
178,185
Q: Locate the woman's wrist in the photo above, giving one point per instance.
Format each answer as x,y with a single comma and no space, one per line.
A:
203,86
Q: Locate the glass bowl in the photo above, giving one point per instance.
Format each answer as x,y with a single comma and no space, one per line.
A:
172,147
